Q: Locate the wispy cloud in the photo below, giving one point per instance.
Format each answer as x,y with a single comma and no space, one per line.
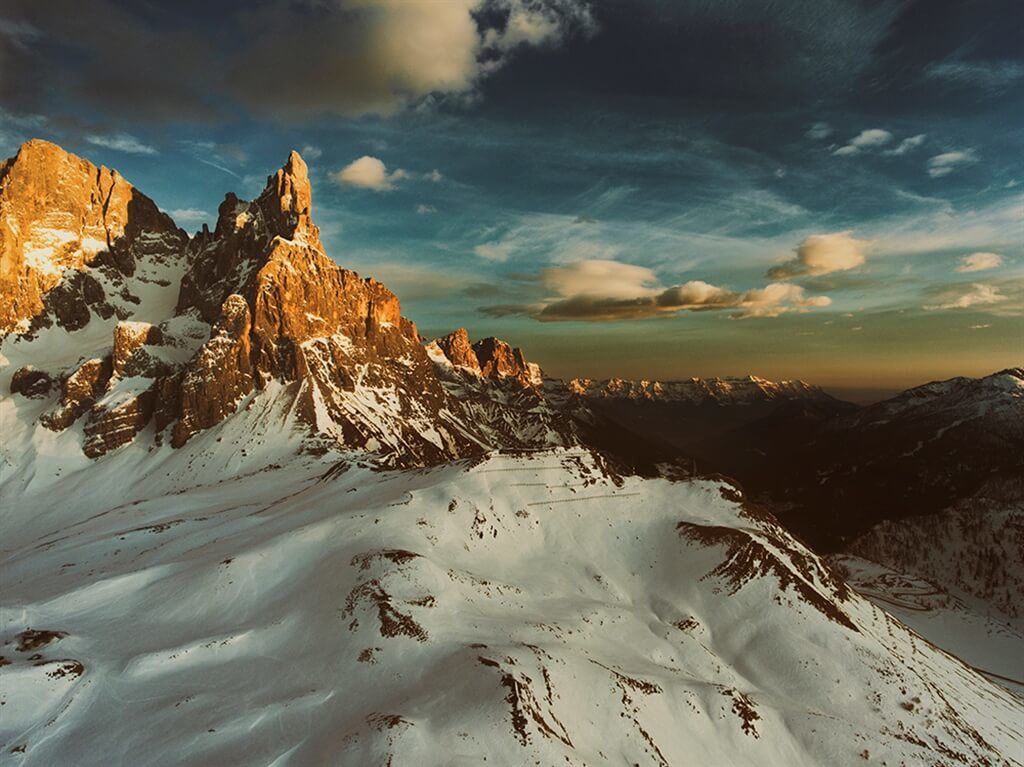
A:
819,131
992,76
120,142
908,144
979,262
21,33
943,164
190,216
871,138
959,297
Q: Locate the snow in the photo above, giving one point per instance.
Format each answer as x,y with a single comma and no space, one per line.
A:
268,609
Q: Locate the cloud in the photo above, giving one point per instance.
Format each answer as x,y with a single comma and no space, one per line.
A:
359,57
943,164
425,210
311,152
493,251
190,216
603,290
979,327
120,142
369,173
434,176
978,294
871,138
21,33
990,76
821,254
979,262
215,155
819,131
907,145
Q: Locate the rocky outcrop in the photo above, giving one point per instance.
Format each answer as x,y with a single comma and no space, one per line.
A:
61,216
32,383
219,375
498,360
78,392
115,420
130,356
459,351
489,358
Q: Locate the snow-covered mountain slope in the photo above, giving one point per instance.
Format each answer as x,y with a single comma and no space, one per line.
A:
959,623
516,609
913,455
975,547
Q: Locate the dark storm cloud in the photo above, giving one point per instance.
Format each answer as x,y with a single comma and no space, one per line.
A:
192,61
945,55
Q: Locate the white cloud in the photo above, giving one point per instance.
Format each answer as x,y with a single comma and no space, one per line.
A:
434,176
979,262
820,254
871,138
907,145
819,131
423,209
120,142
311,152
980,327
943,164
601,278
979,294
190,216
369,173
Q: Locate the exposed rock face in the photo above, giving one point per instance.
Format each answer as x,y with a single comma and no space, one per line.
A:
78,392
59,216
489,358
29,382
129,339
260,314
458,349
219,375
116,419
499,360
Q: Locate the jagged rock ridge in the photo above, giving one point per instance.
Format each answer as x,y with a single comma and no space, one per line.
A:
253,308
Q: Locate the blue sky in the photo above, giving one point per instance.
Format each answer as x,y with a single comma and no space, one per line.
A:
828,190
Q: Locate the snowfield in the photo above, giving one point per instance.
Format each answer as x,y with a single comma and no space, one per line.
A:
516,609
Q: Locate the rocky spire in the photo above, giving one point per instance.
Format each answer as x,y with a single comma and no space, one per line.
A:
459,350
286,203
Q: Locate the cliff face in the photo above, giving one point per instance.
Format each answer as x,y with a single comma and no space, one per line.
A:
71,235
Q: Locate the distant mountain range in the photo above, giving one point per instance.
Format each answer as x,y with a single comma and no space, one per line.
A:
251,516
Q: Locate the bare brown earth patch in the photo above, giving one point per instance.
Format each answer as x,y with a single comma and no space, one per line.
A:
32,639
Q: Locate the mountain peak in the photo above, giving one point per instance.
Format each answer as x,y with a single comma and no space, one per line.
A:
60,214
489,358
286,202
